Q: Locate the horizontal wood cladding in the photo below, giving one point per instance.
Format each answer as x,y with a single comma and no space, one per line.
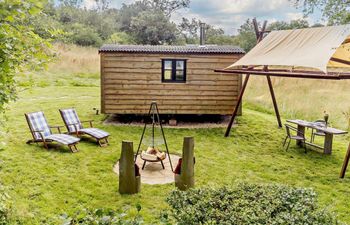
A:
130,81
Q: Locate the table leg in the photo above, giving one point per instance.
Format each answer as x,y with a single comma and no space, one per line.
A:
301,130
328,143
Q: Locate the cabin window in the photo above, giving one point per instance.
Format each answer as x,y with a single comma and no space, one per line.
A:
174,70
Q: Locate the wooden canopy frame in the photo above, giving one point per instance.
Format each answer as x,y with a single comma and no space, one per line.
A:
265,71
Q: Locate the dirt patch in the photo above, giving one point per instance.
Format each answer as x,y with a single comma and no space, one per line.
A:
153,172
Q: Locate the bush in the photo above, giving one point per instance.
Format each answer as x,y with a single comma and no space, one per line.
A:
121,38
84,36
103,217
248,204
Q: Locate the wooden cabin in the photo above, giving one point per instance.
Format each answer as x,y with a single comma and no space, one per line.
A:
180,78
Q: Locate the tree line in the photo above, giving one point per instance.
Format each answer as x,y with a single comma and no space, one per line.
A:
141,22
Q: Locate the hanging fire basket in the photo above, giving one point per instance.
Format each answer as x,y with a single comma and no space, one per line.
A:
153,140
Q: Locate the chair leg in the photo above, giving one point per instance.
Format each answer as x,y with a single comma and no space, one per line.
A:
285,140
161,161
288,144
103,143
45,145
73,148
305,146
29,142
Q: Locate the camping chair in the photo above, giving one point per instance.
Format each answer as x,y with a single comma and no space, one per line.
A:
41,132
75,126
315,132
298,137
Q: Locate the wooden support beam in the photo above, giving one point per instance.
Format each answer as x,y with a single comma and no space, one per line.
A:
256,29
340,61
272,73
274,101
345,163
239,100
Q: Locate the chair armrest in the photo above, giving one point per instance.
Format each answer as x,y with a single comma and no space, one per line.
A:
87,121
57,127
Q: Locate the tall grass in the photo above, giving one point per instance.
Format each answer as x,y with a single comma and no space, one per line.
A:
72,65
75,59
303,98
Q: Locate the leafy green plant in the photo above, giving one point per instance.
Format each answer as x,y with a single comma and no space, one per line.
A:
248,204
20,47
103,217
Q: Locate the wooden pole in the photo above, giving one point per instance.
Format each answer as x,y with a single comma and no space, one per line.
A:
185,179
345,163
128,182
239,100
274,101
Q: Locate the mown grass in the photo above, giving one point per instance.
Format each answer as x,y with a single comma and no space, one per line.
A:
44,184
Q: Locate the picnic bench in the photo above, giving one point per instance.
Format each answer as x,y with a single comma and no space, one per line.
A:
329,133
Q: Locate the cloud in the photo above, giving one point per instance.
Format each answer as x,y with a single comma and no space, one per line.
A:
230,14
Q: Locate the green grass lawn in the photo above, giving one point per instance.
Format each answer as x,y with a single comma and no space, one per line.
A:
44,184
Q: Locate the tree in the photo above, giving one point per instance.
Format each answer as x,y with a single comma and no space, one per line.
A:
293,24
166,6
189,30
246,37
102,5
153,27
335,11
20,46
121,38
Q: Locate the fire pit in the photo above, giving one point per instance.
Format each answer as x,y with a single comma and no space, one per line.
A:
153,144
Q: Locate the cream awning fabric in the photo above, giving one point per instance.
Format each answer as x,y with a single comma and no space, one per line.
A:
310,47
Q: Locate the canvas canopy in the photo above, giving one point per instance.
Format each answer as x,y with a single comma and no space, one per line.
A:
310,48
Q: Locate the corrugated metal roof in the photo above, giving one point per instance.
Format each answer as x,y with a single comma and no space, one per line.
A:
185,49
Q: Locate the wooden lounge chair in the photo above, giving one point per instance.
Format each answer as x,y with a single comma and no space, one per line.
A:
299,136
42,132
75,126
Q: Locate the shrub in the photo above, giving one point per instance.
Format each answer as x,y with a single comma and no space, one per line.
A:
84,36
121,38
103,217
248,204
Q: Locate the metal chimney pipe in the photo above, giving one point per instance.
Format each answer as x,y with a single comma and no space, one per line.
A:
202,34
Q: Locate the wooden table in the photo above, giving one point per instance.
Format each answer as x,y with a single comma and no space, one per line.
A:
329,133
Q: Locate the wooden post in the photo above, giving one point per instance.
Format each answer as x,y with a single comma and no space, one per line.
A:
239,100
274,101
185,179
345,163
128,182
328,143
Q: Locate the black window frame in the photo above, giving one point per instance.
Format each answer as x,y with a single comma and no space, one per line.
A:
173,71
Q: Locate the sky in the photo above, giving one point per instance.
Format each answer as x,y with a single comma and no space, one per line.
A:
230,14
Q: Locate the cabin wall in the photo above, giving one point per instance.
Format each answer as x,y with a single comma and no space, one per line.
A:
130,81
